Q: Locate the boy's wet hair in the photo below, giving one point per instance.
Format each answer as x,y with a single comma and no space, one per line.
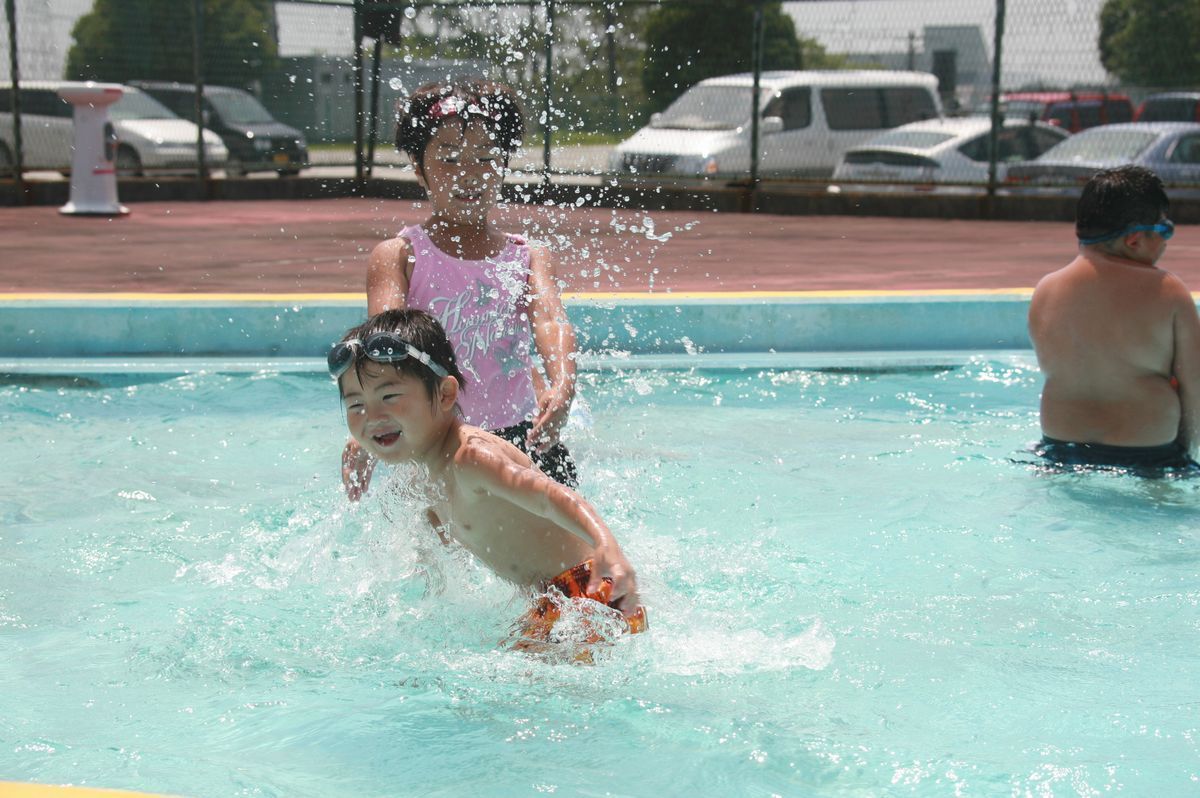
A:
493,105
1118,198
422,331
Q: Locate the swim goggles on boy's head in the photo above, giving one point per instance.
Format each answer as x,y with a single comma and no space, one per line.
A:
382,347
1165,228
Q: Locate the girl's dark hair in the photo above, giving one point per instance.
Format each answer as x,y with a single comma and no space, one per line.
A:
422,331
458,102
1118,198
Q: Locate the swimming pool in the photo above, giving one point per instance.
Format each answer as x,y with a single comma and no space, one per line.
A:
856,587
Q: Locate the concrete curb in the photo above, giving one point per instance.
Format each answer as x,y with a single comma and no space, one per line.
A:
302,326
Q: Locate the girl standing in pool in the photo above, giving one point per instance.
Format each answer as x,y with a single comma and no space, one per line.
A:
495,293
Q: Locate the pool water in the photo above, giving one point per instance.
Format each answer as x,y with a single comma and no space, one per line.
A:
858,585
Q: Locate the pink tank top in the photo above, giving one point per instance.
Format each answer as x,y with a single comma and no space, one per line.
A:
483,304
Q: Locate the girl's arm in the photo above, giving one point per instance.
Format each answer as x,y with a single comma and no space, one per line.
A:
486,469
554,338
388,271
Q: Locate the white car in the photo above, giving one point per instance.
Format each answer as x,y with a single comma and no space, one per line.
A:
943,152
150,137
807,120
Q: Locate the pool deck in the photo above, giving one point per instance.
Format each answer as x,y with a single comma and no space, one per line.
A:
280,278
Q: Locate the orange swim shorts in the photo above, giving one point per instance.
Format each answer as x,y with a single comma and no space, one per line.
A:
536,625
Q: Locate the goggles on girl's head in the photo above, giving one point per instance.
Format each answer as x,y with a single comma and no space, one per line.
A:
382,347
457,106
1165,228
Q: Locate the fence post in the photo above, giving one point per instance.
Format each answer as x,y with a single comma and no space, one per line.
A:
374,131
18,164
358,92
548,93
198,100
997,120
756,58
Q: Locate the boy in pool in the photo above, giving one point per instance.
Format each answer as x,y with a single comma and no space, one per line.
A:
494,292
400,383
1117,338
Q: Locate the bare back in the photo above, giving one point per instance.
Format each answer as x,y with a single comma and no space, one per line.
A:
1105,331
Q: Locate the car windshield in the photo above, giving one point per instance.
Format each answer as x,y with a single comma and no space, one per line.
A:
708,108
135,104
237,108
1101,145
911,139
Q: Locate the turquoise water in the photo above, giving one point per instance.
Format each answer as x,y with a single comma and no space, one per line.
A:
856,588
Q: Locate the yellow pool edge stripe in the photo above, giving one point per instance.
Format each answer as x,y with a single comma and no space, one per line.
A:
12,789
169,298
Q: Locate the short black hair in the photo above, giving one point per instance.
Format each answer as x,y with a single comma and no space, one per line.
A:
459,102
1117,198
422,331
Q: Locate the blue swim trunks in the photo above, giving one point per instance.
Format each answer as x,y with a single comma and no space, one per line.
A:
1149,461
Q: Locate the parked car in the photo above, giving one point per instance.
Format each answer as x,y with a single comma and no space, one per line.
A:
1175,106
808,119
151,138
1073,111
1171,149
257,142
944,151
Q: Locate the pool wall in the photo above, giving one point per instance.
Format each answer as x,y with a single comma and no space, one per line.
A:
304,325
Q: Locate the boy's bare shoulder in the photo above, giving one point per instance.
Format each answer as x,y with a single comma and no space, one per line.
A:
481,452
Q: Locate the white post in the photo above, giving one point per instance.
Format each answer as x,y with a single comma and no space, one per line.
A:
93,165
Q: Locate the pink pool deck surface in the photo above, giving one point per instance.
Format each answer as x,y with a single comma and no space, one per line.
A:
322,246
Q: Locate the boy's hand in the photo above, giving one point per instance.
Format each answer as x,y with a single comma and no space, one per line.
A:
357,466
612,567
553,407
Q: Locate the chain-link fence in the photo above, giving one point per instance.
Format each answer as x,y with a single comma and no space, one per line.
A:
823,94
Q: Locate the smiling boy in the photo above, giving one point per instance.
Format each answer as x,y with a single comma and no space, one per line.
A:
399,381
1117,338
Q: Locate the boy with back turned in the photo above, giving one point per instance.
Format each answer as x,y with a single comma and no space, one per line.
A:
1117,338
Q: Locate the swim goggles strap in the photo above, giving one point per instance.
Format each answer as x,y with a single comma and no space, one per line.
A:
1165,228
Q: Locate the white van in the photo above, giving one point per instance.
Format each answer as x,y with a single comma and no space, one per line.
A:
150,136
808,119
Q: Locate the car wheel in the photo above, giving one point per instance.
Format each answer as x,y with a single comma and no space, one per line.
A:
6,161
288,172
128,162
235,167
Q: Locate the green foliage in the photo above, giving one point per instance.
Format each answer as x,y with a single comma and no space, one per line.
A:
686,43
122,40
1151,42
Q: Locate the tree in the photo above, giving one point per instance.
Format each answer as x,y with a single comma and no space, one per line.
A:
686,43
123,40
1151,42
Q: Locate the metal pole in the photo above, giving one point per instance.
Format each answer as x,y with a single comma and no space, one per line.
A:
198,100
18,164
757,55
358,92
997,121
374,107
548,93
610,25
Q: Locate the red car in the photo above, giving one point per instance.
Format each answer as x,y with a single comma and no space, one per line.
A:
1071,110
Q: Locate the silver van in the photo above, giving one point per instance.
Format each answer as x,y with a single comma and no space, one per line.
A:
808,119
151,137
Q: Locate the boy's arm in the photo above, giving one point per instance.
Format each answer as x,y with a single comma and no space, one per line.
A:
1186,367
554,338
486,469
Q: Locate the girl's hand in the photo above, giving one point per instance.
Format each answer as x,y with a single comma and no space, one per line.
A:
610,566
554,406
357,465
